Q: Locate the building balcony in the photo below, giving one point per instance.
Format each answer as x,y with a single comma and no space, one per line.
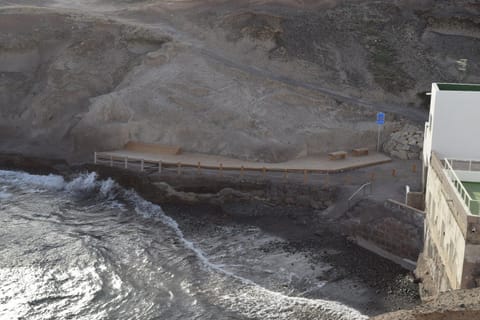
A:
464,175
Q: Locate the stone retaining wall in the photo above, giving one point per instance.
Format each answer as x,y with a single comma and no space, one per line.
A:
451,258
392,227
416,200
405,144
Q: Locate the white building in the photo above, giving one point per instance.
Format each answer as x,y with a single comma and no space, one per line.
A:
453,128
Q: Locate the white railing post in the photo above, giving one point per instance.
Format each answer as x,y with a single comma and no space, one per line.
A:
141,165
95,157
126,162
457,183
159,166
470,166
362,188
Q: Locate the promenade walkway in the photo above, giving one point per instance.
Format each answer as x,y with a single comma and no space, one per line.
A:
319,164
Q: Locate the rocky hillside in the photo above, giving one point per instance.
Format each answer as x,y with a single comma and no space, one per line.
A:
263,80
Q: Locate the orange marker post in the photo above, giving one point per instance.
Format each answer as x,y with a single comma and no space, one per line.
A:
264,172
414,168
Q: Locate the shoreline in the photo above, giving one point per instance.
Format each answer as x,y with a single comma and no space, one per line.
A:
201,204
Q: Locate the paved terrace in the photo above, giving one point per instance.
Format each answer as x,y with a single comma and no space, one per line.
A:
320,163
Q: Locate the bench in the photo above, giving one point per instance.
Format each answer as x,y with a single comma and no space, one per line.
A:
358,152
152,148
338,155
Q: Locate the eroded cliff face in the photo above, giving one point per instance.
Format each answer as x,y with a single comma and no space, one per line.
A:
74,84
267,81
51,65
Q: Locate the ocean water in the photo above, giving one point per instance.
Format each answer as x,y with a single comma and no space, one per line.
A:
89,249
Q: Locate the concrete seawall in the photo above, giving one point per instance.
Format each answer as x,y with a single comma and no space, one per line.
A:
392,230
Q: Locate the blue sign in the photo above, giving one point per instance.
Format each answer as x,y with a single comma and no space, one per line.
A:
380,118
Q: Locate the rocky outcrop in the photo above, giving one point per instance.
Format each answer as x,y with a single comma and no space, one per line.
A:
452,305
169,187
405,144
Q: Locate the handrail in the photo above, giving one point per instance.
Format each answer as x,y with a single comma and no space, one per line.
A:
362,187
457,179
459,185
469,162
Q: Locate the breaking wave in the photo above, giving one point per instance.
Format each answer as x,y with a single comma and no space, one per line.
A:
233,292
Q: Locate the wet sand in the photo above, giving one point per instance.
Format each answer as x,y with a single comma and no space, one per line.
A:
349,273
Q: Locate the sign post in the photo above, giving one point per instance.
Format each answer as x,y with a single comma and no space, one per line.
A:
380,123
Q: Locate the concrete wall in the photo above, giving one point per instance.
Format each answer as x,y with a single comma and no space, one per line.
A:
391,229
427,135
471,176
451,255
443,231
453,124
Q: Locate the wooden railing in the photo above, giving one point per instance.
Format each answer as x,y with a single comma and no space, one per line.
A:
151,166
